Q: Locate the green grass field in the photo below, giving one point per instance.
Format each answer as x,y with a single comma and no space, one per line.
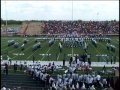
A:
53,50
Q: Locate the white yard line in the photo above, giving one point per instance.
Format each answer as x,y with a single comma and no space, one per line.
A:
103,46
3,42
97,51
58,56
14,49
5,49
31,55
114,41
11,50
47,52
24,50
72,49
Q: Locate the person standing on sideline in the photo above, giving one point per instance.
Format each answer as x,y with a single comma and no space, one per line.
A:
6,68
98,58
76,59
21,66
10,61
89,61
33,59
114,59
63,62
71,59
14,67
111,59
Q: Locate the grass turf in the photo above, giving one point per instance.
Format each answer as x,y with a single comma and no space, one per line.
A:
53,50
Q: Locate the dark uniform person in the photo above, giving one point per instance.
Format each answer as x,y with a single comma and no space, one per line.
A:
10,61
21,66
89,61
15,67
63,62
114,59
6,69
111,59
70,60
33,59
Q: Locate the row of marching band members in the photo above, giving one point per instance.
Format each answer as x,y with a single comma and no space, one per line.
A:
41,68
73,81
68,80
39,72
81,65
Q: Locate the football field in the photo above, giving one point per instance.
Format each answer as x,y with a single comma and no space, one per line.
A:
46,53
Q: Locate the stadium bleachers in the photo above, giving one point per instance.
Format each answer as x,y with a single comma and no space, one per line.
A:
21,82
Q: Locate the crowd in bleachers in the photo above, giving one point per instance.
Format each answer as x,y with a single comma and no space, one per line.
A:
70,80
81,27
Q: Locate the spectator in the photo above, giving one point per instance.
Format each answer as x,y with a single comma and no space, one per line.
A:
114,59
33,59
117,86
112,83
104,69
3,88
71,59
63,62
15,67
81,27
6,68
89,61
21,67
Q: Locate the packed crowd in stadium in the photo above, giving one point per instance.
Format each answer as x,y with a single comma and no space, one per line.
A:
81,27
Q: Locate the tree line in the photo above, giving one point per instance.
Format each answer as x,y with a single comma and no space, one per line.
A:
10,22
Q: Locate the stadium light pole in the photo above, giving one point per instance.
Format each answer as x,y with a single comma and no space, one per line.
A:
97,16
72,10
6,16
72,27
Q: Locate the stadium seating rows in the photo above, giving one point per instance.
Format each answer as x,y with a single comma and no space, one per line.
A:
81,27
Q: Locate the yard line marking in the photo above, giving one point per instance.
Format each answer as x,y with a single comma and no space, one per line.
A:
31,54
115,41
14,49
110,52
47,52
3,42
5,49
4,46
72,49
58,56
25,49
97,51
11,50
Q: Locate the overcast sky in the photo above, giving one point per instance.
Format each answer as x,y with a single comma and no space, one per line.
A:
60,10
